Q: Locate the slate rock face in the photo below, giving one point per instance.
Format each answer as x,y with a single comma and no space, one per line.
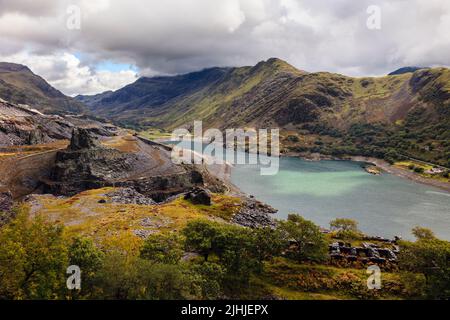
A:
148,170
86,164
82,139
20,125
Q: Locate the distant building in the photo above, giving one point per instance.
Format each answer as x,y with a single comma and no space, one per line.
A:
434,171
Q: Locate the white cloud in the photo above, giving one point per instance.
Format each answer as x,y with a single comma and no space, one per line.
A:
65,72
174,36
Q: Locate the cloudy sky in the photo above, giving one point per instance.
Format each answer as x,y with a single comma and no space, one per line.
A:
119,40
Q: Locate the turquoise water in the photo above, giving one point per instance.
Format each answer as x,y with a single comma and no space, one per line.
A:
384,205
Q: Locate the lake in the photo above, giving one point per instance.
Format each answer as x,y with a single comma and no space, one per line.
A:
384,205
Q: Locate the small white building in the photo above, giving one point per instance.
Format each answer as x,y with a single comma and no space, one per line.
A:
434,171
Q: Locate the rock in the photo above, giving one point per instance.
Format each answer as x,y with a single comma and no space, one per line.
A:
373,170
199,196
6,204
20,125
82,139
6,201
188,256
255,214
129,196
36,137
155,223
144,234
88,164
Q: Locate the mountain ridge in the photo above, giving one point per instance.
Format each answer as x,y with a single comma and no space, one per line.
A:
19,85
405,113
384,117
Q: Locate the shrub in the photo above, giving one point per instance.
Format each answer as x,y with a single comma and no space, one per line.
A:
345,228
308,242
419,170
292,138
431,257
163,248
33,259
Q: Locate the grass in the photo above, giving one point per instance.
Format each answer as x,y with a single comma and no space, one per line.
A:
290,280
112,225
126,143
153,134
407,164
82,214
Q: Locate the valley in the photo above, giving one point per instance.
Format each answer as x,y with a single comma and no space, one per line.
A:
102,193
383,117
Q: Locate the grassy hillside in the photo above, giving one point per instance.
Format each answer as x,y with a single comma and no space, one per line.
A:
18,84
401,114
117,231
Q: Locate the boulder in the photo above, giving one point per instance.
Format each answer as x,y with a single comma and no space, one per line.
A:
199,196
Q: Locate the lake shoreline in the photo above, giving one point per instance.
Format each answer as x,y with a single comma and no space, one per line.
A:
380,163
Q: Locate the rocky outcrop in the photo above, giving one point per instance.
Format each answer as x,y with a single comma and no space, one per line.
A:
21,125
85,164
367,253
199,196
148,169
255,214
129,196
81,139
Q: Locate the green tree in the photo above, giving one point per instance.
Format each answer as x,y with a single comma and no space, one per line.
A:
232,246
210,280
309,243
163,248
431,257
128,278
167,282
201,236
235,249
423,233
419,170
268,243
83,253
345,228
33,259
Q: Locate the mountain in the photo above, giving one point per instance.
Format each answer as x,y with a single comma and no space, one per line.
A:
404,70
406,113
270,93
173,101
19,85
